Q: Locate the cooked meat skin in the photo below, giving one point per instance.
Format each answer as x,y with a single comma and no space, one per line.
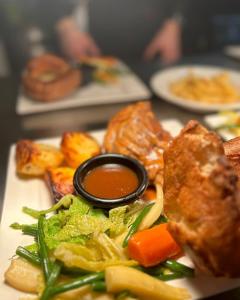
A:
202,200
59,181
136,132
232,151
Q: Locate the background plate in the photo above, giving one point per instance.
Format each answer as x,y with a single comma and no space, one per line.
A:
34,193
215,120
161,81
232,51
128,88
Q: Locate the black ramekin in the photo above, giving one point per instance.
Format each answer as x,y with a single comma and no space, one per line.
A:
110,158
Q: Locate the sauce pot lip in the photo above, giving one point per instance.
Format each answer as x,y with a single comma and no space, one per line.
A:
109,158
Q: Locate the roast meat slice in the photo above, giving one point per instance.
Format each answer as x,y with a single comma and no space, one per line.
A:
135,131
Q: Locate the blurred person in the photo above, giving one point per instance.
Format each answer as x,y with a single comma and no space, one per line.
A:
126,28
137,28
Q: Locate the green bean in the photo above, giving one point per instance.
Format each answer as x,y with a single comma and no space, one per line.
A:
178,270
99,286
136,223
166,277
73,284
56,269
43,251
74,272
175,266
33,258
153,271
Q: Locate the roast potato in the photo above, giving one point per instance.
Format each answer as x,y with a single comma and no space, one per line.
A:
60,181
34,159
78,147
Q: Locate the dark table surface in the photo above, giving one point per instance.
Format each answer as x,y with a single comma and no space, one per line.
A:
51,124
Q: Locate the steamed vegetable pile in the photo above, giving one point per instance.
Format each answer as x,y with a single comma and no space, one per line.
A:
82,252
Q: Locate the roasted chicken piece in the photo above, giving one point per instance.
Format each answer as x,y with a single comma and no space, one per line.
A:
33,159
78,147
136,132
60,181
202,200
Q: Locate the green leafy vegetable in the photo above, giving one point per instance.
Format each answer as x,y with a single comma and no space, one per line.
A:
65,202
26,229
98,253
117,219
75,224
33,248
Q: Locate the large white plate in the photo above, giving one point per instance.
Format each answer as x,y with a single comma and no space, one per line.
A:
128,88
34,193
160,83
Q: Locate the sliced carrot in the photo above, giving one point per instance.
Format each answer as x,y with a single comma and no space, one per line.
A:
152,246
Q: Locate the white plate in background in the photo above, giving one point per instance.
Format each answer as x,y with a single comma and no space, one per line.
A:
214,121
34,193
128,87
232,51
161,81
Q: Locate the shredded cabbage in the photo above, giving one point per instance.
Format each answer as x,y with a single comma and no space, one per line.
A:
98,253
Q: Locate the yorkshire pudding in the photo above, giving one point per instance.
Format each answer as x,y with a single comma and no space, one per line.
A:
49,78
202,200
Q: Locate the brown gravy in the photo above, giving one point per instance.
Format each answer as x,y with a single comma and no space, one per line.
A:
110,181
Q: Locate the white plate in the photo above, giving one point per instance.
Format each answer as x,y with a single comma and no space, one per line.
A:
128,88
214,121
34,193
232,51
161,81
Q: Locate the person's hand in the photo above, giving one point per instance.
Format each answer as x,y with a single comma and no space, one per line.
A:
167,43
75,43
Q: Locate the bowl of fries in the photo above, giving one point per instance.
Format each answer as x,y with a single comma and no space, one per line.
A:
198,88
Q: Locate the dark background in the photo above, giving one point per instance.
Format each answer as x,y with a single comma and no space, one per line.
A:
121,27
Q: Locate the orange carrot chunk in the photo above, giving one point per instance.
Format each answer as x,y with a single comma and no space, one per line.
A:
152,246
